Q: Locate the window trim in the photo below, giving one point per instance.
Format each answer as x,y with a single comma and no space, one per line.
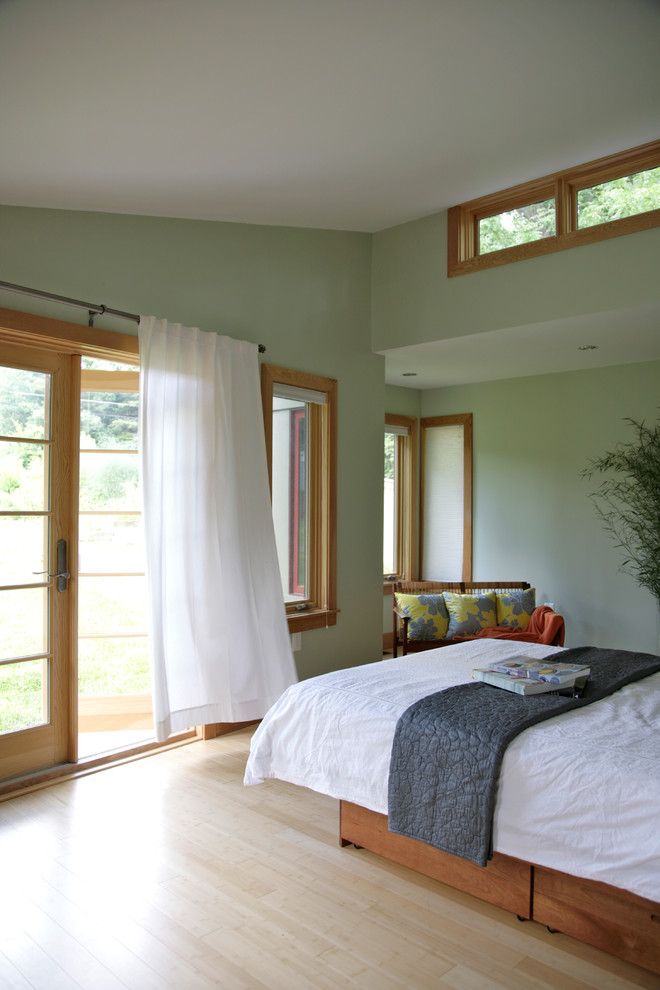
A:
320,610
48,333
463,220
464,420
407,456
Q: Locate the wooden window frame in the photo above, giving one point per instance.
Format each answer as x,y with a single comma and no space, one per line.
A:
463,220
319,610
406,482
464,420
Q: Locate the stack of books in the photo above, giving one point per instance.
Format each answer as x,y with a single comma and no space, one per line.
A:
526,675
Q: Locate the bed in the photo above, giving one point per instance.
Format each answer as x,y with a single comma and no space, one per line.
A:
575,835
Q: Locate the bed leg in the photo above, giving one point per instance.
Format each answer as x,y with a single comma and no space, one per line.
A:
344,842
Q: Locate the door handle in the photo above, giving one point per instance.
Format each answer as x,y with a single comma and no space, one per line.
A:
62,573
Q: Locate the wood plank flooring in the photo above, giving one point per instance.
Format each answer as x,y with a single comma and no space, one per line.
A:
167,872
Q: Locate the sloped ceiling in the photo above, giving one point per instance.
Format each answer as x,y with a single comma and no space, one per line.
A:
356,114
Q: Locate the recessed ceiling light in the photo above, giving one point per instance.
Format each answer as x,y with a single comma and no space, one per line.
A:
588,347
409,374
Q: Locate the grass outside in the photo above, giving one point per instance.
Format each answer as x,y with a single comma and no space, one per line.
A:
21,695
106,667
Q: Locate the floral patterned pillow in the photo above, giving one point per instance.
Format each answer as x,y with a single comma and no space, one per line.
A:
469,614
515,608
428,615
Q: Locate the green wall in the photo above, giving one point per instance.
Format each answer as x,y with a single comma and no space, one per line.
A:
402,401
532,518
307,295
413,301
303,293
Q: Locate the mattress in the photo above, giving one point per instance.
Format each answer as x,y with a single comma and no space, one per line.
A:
579,793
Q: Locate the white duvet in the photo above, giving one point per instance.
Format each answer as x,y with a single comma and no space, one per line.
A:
579,793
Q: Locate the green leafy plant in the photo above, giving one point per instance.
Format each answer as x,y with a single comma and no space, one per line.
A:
628,502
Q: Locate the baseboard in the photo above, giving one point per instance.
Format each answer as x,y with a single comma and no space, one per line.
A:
222,728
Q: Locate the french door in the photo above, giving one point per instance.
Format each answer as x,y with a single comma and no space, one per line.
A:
38,477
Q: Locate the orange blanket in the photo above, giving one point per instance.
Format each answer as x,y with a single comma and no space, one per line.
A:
545,626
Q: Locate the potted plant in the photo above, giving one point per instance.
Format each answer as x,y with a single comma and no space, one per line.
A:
628,502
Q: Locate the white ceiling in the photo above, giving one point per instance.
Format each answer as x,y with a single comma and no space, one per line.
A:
354,114
621,337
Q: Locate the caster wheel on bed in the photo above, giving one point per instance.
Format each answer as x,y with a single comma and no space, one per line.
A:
520,917
355,846
553,931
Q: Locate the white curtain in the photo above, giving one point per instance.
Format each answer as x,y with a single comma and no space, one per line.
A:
219,641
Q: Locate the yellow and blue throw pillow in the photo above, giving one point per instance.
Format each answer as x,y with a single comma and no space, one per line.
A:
514,609
428,615
469,614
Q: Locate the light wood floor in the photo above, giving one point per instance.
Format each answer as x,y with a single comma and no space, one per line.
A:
167,872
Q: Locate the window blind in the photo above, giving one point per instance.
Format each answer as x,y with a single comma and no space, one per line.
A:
443,503
301,394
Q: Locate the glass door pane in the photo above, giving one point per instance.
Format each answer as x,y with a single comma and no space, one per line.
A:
23,695
114,682
24,593
35,490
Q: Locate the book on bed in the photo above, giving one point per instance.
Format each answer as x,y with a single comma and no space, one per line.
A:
529,668
518,685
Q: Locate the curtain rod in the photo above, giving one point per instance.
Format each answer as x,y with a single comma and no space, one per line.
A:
94,309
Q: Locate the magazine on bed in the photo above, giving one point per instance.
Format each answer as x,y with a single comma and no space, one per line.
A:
529,668
518,685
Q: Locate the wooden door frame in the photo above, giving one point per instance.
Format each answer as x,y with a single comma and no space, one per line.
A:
53,738
45,334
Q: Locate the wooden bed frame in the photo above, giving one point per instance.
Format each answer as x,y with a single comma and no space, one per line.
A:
612,919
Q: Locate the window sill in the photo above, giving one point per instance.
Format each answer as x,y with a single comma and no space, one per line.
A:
318,618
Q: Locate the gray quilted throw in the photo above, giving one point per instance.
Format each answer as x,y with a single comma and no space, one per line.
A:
448,749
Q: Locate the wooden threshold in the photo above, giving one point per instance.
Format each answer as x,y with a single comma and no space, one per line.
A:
68,771
214,729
